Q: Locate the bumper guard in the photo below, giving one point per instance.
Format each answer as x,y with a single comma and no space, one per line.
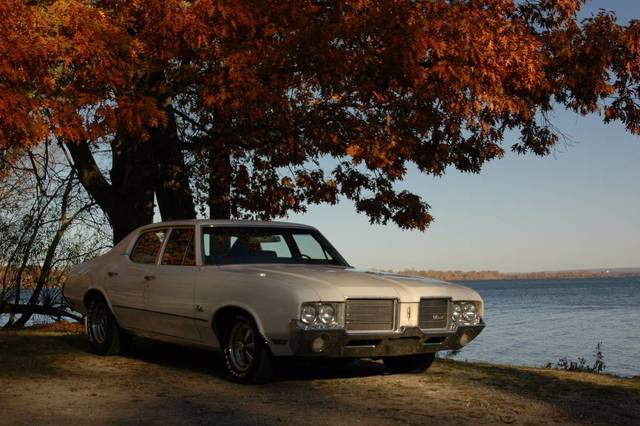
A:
339,343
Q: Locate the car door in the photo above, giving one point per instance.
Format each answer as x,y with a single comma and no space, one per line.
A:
128,278
170,297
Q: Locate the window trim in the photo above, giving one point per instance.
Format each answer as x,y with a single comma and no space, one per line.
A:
167,230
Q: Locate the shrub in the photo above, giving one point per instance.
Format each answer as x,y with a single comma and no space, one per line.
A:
580,364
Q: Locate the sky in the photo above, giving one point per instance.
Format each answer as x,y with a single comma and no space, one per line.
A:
578,208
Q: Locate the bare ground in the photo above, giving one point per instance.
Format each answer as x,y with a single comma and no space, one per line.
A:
49,377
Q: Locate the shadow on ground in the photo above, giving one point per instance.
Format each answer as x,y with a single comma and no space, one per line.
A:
288,369
580,400
54,376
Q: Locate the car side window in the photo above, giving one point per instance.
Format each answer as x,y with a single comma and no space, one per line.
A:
148,246
310,248
180,248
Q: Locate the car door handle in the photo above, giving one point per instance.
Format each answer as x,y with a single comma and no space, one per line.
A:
112,274
149,277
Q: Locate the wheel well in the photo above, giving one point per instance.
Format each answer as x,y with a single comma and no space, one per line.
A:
96,295
222,317
91,295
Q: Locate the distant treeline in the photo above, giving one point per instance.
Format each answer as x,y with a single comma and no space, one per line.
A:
497,275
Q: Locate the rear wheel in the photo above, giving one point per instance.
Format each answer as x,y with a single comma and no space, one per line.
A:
247,357
417,363
105,336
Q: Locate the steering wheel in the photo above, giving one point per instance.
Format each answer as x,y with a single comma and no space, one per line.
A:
305,256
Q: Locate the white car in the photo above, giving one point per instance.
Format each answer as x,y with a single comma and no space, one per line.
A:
259,290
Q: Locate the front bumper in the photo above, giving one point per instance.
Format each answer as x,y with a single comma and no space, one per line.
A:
339,343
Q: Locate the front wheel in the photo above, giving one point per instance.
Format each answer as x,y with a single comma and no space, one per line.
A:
247,358
105,336
417,363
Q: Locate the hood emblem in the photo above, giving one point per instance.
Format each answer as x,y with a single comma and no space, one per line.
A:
408,312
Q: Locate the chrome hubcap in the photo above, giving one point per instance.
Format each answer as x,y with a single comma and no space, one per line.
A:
99,323
242,346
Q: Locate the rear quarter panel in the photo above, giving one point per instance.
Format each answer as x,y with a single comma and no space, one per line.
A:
79,281
89,275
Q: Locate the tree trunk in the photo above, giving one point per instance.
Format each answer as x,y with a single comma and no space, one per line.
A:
42,310
219,184
139,169
21,269
131,174
128,199
173,192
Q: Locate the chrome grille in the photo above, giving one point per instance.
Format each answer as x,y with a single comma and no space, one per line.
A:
369,314
434,313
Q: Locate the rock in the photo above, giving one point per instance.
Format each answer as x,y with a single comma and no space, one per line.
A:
508,418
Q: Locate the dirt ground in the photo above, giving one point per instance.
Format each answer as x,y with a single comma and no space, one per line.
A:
48,377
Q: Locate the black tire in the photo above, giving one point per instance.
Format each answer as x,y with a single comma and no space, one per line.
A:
247,357
417,363
103,332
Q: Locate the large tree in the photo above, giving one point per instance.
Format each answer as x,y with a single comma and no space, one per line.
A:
232,104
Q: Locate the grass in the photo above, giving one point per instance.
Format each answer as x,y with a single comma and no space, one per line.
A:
56,376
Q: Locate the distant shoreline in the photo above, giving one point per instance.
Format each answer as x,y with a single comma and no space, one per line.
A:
496,275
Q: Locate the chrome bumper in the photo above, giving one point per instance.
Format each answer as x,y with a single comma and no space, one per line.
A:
410,340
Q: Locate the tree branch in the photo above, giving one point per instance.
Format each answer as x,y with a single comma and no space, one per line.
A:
90,175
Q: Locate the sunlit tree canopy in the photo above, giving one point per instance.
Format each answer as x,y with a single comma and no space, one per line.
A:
232,104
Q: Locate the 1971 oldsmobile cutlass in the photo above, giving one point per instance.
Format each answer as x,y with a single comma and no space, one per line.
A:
259,290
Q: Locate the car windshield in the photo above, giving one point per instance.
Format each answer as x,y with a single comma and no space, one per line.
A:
230,245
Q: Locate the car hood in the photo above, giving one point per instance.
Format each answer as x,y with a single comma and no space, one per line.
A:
333,284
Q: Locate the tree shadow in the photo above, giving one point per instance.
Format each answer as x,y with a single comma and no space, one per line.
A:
176,357
579,398
67,361
212,362
597,401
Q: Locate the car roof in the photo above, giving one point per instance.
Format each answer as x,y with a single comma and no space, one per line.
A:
221,222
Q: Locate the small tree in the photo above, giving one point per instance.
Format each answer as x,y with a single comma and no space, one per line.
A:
47,224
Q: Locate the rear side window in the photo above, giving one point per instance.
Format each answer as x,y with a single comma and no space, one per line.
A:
179,249
148,246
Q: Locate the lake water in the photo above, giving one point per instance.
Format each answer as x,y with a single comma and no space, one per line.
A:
532,322
55,295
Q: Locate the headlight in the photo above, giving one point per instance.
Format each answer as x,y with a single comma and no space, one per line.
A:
464,313
308,314
456,312
327,314
470,312
322,315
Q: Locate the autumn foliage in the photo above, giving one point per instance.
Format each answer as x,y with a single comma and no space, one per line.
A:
232,104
